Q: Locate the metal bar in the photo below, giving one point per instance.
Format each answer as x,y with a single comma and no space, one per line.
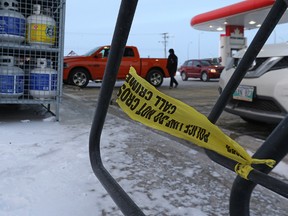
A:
122,29
62,10
274,147
241,191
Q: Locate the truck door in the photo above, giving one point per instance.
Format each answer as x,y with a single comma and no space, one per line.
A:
101,57
129,59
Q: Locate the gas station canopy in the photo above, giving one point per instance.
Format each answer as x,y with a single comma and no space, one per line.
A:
250,14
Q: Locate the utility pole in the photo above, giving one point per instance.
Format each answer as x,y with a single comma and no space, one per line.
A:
165,41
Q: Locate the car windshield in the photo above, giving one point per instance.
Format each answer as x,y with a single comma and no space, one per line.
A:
206,63
90,52
214,61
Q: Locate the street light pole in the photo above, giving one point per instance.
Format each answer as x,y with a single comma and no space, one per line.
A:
188,49
199,46
199,34
165,41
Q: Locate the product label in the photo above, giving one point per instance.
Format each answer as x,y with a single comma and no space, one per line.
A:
12,26
19,84
43,82
11,84
53,82
42,33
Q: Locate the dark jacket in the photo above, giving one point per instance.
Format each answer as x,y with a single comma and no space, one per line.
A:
172,63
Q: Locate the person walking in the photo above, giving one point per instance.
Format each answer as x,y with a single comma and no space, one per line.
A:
171,66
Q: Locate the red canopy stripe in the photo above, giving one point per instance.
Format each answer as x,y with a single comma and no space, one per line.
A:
231,10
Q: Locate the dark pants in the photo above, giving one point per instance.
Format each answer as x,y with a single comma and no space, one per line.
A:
172,80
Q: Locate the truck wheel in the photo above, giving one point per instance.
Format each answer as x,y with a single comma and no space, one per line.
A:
184,76
155,78
204,76
79,77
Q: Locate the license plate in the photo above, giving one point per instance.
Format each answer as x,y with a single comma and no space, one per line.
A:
244,93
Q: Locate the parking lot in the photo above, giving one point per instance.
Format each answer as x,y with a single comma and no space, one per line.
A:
136,155
200,95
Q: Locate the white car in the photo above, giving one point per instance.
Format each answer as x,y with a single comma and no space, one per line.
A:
262,95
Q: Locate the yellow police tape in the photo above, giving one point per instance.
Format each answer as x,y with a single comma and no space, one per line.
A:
144,103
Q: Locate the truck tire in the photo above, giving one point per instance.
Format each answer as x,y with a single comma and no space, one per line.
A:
155,77
79,77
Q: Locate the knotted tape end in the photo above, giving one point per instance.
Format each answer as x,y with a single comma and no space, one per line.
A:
243,170
269,162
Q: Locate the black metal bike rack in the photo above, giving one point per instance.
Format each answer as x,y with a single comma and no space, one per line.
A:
274,146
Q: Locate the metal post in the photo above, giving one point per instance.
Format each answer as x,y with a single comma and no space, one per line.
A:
122,29
275,147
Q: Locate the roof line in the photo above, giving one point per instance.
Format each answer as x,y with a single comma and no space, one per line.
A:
231,10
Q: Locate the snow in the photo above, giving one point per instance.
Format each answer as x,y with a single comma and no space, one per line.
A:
45,170
281,169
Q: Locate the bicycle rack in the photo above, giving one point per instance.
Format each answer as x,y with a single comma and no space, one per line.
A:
274,146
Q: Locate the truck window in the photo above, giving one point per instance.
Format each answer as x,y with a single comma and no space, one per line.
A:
90,52
206,63
105,52
128,52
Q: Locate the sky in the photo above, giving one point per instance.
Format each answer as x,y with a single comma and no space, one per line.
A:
92,24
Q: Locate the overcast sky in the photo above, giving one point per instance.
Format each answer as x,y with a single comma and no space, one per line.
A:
91,23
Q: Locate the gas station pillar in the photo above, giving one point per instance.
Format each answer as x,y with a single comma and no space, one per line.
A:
232,41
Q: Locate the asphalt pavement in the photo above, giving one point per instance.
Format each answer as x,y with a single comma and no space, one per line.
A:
169,153
84,101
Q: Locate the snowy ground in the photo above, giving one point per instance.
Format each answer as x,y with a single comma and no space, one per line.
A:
45,170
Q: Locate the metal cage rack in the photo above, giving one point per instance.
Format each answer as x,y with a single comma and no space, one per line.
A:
31,52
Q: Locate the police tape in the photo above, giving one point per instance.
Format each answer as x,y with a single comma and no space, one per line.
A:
144,103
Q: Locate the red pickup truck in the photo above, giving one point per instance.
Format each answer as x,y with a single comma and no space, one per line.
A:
79,70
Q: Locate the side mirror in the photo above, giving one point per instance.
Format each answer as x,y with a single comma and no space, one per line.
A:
199,66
